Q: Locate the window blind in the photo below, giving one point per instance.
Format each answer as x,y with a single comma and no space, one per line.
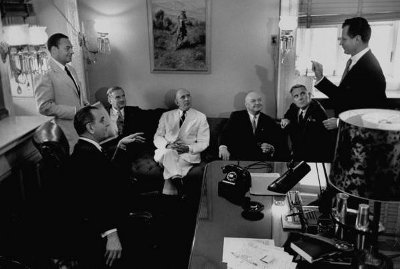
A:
328,12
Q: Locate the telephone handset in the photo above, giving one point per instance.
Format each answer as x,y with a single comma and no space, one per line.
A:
235,174
235,184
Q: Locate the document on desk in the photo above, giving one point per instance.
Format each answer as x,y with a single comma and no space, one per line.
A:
251,253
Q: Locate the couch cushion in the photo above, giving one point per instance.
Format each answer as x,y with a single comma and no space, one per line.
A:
216,126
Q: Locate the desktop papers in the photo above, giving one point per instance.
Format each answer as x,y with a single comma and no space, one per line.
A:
249,253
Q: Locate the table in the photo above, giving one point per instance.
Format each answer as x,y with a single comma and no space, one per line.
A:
218,218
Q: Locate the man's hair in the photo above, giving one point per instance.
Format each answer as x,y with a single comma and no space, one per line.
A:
298,86
54,40
113,89
358,26
83,117
180,89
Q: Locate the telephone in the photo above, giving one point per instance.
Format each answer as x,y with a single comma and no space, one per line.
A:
235,184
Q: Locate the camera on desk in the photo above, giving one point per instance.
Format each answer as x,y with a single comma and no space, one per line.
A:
235,184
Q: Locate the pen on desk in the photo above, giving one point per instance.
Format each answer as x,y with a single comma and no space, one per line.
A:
243,259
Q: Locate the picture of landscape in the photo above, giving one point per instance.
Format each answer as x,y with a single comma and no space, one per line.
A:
178,35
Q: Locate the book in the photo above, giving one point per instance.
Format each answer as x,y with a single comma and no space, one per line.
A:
312,250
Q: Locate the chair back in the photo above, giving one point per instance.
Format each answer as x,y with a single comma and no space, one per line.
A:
8,263
52,144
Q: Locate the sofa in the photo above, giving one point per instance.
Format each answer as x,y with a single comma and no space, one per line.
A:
147,173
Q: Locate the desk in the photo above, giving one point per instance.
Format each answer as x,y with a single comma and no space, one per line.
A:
218,218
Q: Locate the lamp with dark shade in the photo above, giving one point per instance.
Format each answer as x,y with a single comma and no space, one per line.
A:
367,161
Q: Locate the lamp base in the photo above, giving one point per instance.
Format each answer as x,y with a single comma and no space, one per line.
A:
366,259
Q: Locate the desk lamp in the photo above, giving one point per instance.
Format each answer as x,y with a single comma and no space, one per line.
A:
367,163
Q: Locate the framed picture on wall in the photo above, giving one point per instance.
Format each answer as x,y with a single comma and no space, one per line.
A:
179,36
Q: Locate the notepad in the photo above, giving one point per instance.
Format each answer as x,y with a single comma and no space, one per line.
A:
260,182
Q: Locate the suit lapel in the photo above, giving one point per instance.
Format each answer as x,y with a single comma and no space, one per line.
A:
363,61
188,120
260,123
64,76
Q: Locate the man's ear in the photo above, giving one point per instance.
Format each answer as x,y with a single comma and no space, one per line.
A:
358,39
89,128
53,50
176,102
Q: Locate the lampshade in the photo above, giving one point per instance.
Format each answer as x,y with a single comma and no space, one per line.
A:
367,157
16,35
102,26
37,35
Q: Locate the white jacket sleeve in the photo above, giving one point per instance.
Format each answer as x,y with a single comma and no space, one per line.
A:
203,137
159,137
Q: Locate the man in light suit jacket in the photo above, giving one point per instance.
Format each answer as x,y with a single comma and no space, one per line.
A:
181,136
363,84
251,135
58,92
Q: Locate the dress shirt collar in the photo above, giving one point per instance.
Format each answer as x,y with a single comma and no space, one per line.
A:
115,111
256,117
303,110
97,145
181,112
59,64
355,58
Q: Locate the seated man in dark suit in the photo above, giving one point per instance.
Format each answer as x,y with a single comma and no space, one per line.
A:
252,135
311,141
126,120
98,187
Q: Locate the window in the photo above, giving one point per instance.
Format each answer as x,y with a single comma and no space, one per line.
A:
322,43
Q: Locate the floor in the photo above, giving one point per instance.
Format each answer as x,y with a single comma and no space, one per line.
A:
162,241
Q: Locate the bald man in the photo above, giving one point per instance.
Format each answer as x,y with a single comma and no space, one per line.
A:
252,135
181,136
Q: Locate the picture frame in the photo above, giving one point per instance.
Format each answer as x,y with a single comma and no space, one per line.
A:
179,36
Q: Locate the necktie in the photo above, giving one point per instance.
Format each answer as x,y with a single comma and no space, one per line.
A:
346,70
70,75
301,116
254,124
182,118
120,122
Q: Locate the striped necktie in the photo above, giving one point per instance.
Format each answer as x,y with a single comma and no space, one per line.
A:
182,119
346,70
254,124
120,122
302,116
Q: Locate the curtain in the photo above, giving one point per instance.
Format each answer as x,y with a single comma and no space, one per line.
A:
328,12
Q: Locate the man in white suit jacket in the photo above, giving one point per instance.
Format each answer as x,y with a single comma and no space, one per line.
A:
180,140
58,93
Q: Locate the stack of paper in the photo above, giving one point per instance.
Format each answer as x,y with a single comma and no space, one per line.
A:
249,253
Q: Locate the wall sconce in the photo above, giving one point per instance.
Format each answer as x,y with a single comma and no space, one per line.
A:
103,43
25,46
287,25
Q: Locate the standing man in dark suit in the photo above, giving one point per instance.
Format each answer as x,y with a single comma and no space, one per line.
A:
98,185
251,135
58,92
363,84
